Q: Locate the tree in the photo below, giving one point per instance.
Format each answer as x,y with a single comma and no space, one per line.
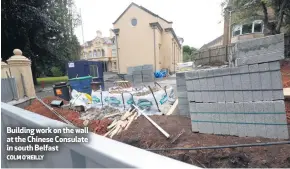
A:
244,10
189,53
42,29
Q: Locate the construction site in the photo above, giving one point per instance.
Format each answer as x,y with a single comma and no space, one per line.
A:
232,115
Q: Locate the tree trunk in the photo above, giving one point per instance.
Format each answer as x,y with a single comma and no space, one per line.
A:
280,16
268,26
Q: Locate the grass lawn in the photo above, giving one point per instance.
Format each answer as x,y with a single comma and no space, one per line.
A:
50,80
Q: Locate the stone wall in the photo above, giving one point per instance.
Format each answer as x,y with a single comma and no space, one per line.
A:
244,100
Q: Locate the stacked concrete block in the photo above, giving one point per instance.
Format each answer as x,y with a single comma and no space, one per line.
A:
246,100
147,73
260,50
128,77
182,94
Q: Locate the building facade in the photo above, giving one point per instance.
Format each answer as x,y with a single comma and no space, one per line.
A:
143,37
101,49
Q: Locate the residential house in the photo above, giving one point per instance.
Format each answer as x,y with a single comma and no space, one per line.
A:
248,28
101,49
143,37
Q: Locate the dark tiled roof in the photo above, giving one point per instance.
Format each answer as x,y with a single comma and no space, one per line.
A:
144,9
212,42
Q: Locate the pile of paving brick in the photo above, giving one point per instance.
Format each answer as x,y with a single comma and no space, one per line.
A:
96,126
245,99
139,74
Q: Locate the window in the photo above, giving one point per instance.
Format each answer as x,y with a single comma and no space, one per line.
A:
99,53
90,53
257,26
94,71
134,22
236,30
95,53
254,27
103,52
114,65
247,28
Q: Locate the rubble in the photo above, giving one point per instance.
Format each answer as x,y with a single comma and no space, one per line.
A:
98,126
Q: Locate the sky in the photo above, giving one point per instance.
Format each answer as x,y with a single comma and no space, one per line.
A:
197,21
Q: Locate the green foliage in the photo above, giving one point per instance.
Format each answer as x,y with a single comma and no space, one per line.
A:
50,80
189,53
56,71
43,30
249,10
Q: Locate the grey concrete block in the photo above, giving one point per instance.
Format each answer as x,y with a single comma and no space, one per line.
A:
223,118
234,70
196,84
274,65
246,82
187,75
249,107
244,69
135,72
231,117
210,83
270,119
267,95
238,96
266,80
216,118
182,94
260,128
221,96
205,97
212,97
236,81
210,72
194,125
202,73
198,97
192,107
257,96
181,75
189,85
182,101
247,96
222,71
180,82
229,96
279,106
269,57
242,130
255,81
276,80
263,67
208,107
278,95
203,84
146,67
190,96
181,88
282,130
227,80
219,85
254,68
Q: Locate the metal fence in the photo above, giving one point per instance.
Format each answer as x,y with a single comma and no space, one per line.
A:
8,90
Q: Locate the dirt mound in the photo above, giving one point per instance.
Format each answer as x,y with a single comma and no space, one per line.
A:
285,71
96,126
143,134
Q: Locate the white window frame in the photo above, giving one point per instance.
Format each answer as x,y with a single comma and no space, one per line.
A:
240,27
